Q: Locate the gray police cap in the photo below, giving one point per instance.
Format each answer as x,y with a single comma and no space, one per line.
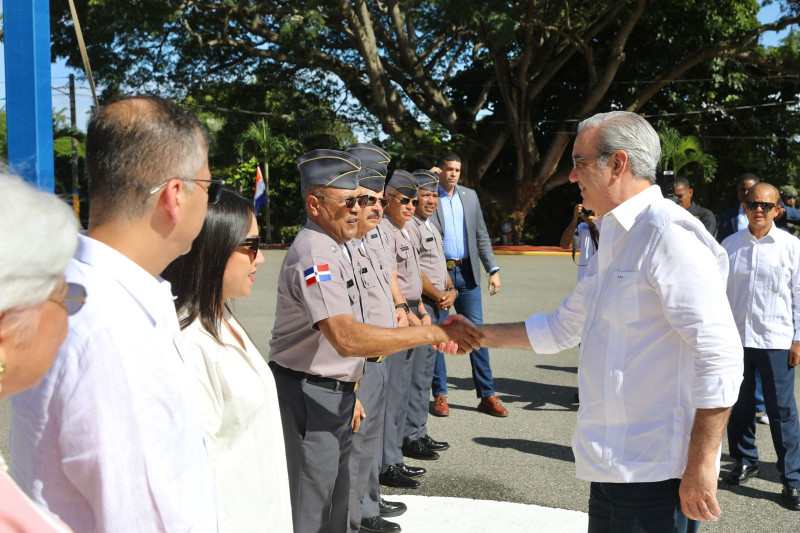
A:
404,182
329,168
372,179
369,153
427,180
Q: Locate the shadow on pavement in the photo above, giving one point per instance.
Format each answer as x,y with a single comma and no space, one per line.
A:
570,369
515,391
543,449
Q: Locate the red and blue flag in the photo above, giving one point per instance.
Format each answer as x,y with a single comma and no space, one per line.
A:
317,273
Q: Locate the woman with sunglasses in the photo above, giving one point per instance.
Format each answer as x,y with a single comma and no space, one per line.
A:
242,421
40,234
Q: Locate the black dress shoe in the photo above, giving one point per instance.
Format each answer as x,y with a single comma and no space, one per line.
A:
791,495
434,445
390,509
740,474
416,450
410,471
379,525
394,478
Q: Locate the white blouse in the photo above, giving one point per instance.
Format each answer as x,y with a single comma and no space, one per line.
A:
243,432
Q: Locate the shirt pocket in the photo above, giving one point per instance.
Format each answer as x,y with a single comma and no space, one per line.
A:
626,296
779,284
365,277
428,243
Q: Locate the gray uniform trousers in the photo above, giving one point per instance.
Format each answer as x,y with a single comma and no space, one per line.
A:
317,433
366,444
421,378
399,367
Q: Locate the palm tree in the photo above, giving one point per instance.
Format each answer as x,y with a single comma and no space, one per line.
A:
258,137
678,152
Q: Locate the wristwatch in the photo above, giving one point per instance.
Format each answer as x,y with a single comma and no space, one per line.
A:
403,306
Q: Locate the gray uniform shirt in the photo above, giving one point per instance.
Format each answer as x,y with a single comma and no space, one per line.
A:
432,262
376,241
316,282
403,251
370,273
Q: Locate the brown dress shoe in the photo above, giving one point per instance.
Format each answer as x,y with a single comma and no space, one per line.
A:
491,406
440,407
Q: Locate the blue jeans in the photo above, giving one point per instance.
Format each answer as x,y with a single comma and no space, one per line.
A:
638,507
777,379
468,304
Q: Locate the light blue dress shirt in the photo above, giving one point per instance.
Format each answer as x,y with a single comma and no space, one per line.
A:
455,225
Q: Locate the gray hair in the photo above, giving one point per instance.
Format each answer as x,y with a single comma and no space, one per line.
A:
626,131
135,144
40,235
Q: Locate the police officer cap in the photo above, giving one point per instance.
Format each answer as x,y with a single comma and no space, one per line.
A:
404,182
787,191
427,180
372,179
369,153
329,168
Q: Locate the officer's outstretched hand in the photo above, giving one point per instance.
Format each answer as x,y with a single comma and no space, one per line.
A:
464,333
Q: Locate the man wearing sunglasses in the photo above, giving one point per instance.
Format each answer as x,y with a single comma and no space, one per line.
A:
109,433
321,336
374,272
764,294
401,188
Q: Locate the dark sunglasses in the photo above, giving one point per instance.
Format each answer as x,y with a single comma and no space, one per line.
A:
73,300
406,201
252,244
384,202
365,200
349,202
765,206
214,188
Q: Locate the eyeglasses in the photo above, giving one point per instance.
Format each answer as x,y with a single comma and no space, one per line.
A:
406,201
765,206
252,244
73,298
384,202
214,188
366,200
576,160
349,202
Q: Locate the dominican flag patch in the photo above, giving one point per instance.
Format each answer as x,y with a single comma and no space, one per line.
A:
317,273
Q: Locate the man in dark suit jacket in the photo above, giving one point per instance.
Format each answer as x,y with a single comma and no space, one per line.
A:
466,244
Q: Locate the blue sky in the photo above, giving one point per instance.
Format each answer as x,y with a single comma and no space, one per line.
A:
83,95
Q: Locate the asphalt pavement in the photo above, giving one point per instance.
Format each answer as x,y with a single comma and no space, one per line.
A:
525,458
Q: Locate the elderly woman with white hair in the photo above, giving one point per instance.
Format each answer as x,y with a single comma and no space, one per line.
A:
39,236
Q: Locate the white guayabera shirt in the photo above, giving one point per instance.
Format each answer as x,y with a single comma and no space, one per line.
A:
658,341
111,438
764,287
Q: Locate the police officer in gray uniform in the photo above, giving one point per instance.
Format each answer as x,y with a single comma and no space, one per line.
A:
319,341
438,295
367,509
402,192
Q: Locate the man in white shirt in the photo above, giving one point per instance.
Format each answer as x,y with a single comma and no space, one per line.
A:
111,438
764,293
581,228
660,365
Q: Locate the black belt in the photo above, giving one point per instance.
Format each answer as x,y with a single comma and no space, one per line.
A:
452,263
319,381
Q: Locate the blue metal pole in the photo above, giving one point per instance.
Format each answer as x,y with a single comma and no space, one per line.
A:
29,111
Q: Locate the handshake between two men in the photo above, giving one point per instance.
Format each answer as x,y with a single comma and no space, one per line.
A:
465,336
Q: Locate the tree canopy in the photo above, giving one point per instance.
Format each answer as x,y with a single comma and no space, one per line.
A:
503,83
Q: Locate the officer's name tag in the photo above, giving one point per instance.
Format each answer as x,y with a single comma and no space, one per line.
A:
373,236
404,248
364,270
349,283
429,239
